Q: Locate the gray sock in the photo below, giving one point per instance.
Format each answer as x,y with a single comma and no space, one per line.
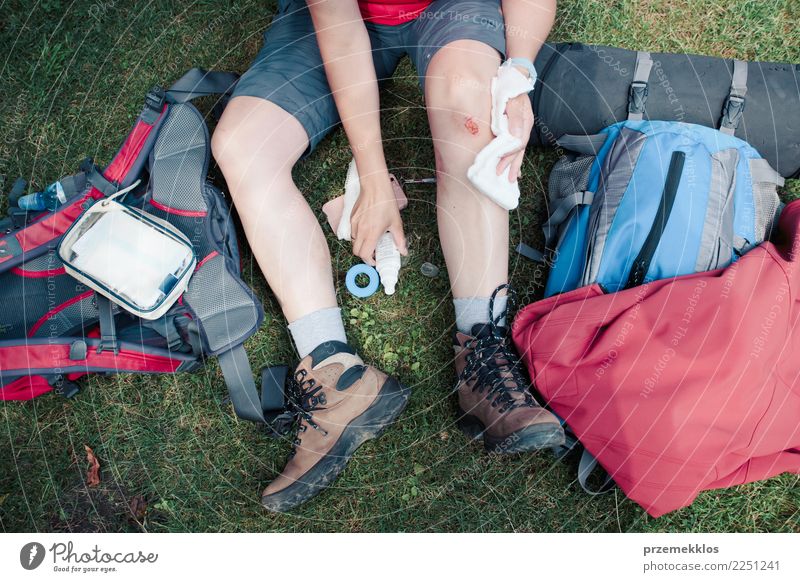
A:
321,326
472,310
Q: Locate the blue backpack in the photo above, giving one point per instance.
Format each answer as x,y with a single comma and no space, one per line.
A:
647,200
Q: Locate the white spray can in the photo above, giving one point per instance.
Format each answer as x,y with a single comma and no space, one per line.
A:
387,262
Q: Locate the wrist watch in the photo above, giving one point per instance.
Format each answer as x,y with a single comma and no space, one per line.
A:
525,64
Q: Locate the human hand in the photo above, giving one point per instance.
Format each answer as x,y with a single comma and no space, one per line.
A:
520,123
375,213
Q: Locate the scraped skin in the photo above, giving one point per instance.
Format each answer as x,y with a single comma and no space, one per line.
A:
471,126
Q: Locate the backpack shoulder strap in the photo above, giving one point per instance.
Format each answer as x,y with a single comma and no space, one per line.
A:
200,83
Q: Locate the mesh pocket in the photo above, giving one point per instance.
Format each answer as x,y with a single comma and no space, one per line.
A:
227,312
179,161
569,175
47,262
768,208
69,318
765,182
32,291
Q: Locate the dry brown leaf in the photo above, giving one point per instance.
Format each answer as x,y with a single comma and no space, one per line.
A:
138,507
93,473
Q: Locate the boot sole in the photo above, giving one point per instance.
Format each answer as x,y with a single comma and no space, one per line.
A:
531,438
370,424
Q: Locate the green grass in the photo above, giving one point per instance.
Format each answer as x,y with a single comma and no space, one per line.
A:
72,75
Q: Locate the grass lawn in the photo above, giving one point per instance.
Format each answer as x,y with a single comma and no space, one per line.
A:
72,76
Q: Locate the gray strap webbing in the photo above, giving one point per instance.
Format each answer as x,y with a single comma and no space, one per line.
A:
199,83
637,93
586,465
100,182
268,408
74,184
734,105
165,327
582,144
241,386
108,328
761,171
531,253
561,209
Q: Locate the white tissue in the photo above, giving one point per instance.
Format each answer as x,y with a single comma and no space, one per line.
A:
352,188
508,83
387,257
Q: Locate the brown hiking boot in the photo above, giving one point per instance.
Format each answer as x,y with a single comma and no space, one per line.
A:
339,403
494,400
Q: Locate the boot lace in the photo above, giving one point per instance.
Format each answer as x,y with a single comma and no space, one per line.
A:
494,365
303,397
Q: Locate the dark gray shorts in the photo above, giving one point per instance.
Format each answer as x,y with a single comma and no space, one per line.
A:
288,70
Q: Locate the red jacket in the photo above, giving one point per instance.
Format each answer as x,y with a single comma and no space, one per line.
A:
683,384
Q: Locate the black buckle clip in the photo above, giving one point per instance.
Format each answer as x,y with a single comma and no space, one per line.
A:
108,343
66,388
279,425
153,104
20,217
732,111
637,96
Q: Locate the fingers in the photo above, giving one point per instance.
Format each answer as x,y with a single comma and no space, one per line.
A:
515,128
512,160
504,162
507,159
364,248
399,238
516,167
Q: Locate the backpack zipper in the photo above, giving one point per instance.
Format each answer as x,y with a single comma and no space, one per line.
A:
642,263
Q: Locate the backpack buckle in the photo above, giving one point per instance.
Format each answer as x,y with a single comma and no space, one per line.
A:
637,95
153,104
732,111
107,342
279,425
20,217
66,388
278,418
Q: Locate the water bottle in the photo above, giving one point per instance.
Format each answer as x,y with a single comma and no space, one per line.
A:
48,199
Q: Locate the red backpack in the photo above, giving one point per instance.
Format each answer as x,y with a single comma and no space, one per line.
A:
54,329
683,384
